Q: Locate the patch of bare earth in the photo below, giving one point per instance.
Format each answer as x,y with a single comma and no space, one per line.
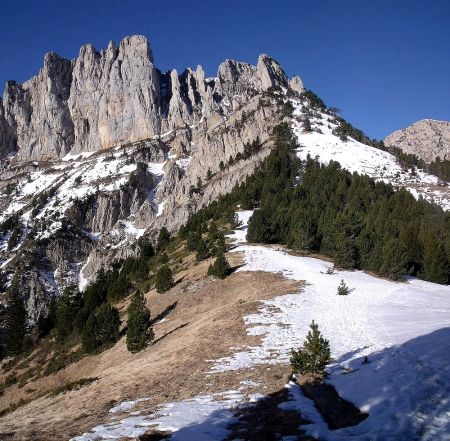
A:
202,319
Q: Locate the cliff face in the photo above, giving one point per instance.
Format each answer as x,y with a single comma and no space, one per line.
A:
115,96
427,139
99,151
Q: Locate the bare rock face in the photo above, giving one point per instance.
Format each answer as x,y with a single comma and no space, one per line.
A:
7,138
139,142
37,112
427,139
116,96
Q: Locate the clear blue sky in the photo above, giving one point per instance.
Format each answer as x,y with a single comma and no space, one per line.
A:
384,63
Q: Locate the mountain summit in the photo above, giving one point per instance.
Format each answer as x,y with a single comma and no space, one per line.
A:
103,99
427,139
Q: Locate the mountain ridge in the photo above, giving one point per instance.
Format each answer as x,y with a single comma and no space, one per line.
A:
105,98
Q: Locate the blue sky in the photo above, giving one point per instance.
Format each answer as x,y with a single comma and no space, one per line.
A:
385,64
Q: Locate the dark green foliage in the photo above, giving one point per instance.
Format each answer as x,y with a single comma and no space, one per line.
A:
163,240
258,229
47,322
216,239
435,263
360,223
314,356
345,129
220,268
314,100
102,328
163,279
146,249
15,323
139,331
119,287
96,293
343,289
323,209
202,251
193,240
68,306
439,168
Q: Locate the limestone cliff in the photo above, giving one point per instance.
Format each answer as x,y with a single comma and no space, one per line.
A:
427,139
103,99
98,151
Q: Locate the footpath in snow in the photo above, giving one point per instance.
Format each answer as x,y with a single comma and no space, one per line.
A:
403,329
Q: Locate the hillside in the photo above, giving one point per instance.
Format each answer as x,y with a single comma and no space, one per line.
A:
231,207
400,327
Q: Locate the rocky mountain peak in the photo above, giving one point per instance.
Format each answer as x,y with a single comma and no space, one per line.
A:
427,138
116,96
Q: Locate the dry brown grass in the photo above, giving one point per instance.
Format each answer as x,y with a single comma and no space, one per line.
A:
204,324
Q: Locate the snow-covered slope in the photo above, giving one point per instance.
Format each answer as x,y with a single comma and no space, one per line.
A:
361,158
402,328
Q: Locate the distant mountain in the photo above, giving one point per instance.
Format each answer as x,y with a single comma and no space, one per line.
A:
427,139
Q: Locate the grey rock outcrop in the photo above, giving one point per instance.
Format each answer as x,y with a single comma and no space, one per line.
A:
427,139
37,112
144,140
116,96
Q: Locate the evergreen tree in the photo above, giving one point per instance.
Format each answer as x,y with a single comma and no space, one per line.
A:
64,316
108,324
258,228
193,240
119,287
146,249
345,252
343,289
314,356
95,294
164,279
163,240
89,337
220,268
15,323
139,331
435,265
202,251
102,328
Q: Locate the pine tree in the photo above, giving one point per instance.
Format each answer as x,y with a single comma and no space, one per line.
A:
314,356
220,268
435,265
164,279
15,323
89,336
163,240
343,289
64,316
202,251
102,328
139,331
